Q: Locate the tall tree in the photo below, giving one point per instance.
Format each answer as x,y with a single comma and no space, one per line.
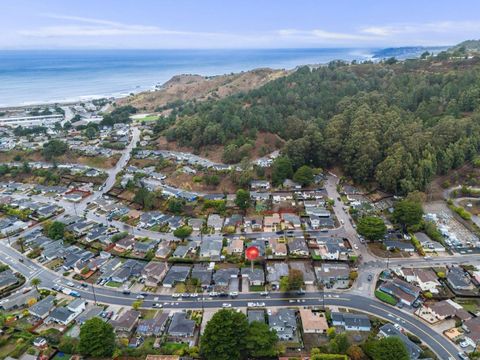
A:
97,339
281,169
408,212
372,227
225,336
260,341
242,199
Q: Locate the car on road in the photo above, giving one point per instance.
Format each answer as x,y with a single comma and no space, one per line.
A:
463,356
193,295
21,260
301,292
185,295
355,246
140,296
226,305
370,277
398,327
175,296
213,294
126,292
157,305
71,284
233,294
251,304
264,293
260,304
428,257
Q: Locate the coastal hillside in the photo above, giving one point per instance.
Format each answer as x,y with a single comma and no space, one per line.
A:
390,124
195,87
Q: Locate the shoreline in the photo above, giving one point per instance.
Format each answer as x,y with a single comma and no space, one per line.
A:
152,87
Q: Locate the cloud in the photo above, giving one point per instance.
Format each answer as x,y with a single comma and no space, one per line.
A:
319,34
441,27
62,29
98,27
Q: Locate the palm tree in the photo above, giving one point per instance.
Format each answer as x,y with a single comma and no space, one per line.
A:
36,282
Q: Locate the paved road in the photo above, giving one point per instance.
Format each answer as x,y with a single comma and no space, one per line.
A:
359,297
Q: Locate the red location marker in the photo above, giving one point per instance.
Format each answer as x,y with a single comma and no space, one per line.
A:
252,253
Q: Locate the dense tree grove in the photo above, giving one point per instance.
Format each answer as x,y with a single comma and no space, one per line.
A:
229,336
396,124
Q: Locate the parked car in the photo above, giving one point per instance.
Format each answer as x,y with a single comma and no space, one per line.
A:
140,296
370,277
226,305
157,305
264,293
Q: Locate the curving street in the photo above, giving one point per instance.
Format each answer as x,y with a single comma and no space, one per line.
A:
359,297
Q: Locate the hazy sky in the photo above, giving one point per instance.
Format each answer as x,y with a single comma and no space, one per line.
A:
235,24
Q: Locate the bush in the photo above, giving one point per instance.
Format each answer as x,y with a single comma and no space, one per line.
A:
387,298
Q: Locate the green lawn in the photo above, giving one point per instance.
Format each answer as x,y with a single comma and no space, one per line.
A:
385,297
171,347
149,118
113,284
62,357
256,288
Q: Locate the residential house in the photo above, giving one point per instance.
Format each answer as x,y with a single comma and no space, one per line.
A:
256,277
413,349
306,269
284,322
61,315
447,309
203,274
271,222
211,248
472,331
254,222
260,185
176,274
279,249
125,244
215,222
459,280
125,323
154,272
43,308
275,271
235,246
351,322
196,224
223,277
313,323
180,326
256,315
7,279
402,290
330,273
298,247
292,221
153,327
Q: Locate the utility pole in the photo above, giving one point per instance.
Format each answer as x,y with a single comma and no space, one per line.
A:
94,296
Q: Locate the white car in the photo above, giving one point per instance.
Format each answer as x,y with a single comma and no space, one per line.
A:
71,284
157,305
233,294
226,305
252,304
194,295
463,344
140,296
260,304
398,327
175,296
355,246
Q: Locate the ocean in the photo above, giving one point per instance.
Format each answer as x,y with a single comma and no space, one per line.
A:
34,77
